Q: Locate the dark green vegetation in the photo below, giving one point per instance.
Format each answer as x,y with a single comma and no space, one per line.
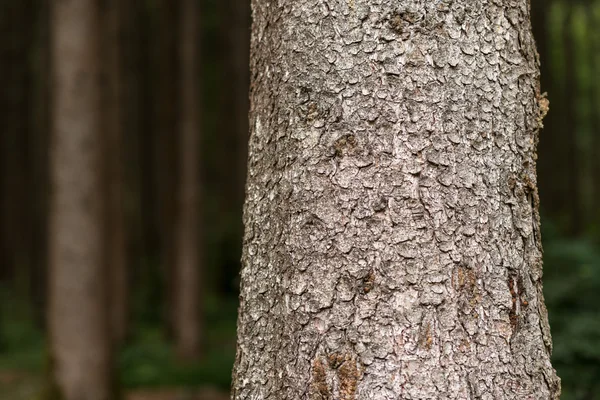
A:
146,361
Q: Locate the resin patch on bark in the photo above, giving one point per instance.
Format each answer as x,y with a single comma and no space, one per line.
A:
335,376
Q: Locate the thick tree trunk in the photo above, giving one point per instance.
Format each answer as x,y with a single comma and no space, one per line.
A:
79,334
115,252
392,246
187,320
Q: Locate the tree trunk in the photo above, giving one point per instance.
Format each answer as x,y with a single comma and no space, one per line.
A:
594,87
552,176
166,78
233,136
392,245
570,127
15,199
39,143
187,269
79,329
116,255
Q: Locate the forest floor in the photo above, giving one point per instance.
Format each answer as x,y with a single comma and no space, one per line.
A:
23,386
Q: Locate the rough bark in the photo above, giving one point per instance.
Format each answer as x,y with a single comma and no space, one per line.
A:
187,320
392,244
78,320
112,106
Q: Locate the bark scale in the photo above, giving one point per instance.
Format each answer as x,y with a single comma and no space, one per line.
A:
78,321
392,244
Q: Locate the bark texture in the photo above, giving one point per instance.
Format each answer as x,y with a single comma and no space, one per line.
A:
187,268
79,335
392,244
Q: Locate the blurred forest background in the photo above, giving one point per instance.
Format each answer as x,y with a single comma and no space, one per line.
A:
145,171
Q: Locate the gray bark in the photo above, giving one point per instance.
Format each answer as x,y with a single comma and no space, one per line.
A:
392,245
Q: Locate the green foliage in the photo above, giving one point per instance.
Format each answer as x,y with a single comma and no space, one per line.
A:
149,362
571,282
23,343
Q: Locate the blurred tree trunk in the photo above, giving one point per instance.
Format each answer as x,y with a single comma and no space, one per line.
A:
188,265
570,127
594,87
39,144
392,243
7,110
552,188
147,277
166,140
233,141
113,118
236,31
16,29
80,342
133,76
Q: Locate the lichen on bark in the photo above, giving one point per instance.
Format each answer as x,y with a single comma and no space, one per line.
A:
391,212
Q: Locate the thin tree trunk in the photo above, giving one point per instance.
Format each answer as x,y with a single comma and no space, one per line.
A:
188,266
236,32
392,246
166,104
551,173
571,131
240,52
132,113
79,329
116,255
14,115
234,133
39,144
147,278
594,87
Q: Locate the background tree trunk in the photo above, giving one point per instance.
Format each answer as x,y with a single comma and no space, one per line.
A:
594,88
166,146
115,252
15,101
39,144
188,266
79,329
570,130
392,245
113,104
